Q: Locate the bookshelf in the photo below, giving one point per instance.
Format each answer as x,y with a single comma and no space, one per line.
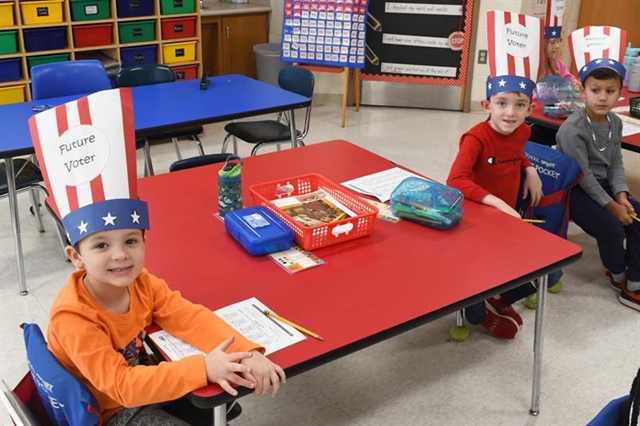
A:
173,38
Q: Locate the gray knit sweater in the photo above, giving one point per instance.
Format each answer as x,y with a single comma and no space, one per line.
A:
575,139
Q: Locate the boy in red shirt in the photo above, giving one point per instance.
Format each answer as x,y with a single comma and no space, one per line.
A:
491,161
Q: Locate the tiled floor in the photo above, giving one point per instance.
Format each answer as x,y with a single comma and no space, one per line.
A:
592,347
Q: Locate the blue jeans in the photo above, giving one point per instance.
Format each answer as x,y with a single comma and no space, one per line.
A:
609,233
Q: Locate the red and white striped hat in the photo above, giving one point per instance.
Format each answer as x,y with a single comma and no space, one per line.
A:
597,47
515,56
86,150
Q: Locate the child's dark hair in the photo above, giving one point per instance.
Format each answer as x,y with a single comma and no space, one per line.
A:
604,74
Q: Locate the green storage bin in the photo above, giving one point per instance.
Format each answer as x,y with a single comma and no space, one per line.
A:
90,10
46,59
8,42
172,7
137,31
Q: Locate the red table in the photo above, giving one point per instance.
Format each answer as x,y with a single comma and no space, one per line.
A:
631,142
370,289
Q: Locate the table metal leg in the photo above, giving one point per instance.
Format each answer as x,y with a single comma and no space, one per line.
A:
292,129
538,340
15,224
220,415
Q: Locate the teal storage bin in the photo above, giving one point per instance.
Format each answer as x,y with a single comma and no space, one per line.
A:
427,203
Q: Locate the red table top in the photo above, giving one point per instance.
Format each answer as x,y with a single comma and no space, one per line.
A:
631,142
369,289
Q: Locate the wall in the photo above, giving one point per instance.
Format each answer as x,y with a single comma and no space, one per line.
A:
332,84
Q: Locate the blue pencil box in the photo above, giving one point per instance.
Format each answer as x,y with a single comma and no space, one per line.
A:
258,230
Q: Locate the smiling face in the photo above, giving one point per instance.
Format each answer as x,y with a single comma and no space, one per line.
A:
112,259
600,96
507,111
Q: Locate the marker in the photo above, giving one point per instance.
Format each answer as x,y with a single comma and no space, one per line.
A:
292,324
534,220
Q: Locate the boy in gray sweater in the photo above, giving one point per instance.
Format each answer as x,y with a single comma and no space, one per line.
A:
602,205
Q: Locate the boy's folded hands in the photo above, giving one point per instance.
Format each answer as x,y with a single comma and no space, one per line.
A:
249,369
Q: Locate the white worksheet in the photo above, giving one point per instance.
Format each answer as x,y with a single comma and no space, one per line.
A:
248,318
381,184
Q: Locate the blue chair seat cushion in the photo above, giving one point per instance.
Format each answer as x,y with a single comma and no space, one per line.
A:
260,131
28,175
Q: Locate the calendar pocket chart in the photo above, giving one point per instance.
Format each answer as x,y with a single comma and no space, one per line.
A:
324,32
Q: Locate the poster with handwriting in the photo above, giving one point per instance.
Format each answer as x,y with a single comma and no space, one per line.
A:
418,41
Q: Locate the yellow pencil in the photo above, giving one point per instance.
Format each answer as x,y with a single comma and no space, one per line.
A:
635,217
292,324
534,220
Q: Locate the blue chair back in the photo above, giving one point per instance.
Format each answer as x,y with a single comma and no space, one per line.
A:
66,399
143,75
68,78
611,414
297,80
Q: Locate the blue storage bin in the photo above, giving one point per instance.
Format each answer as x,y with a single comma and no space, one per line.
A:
139,55
9,70
258,230
49,38
131,8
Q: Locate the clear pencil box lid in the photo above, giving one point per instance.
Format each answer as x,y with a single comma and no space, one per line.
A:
428,203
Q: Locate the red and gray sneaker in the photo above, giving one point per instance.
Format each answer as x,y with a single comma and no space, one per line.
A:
501,309
615,285
630,298
501,327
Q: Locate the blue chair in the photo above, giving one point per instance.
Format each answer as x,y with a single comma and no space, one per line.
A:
143,75
294,79
66,400
68,78
611,414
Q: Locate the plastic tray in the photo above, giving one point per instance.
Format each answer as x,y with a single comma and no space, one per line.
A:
323,235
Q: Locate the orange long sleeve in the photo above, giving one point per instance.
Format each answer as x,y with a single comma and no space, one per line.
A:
102,348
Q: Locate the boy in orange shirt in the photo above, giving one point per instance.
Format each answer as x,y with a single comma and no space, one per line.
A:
491,160
100,318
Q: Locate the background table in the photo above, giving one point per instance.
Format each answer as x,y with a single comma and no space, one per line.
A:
631,142
156,108
370,289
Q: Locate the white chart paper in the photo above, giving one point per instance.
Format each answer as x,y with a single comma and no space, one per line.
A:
381,184
248,319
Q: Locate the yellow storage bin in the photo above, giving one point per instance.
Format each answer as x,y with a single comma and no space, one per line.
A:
174,53
41,12
6,15
12,94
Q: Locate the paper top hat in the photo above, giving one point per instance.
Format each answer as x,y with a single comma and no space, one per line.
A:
514,42
86,150
597,47
553,19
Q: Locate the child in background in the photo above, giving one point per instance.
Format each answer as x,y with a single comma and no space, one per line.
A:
552,65
491,162
602,205
99,320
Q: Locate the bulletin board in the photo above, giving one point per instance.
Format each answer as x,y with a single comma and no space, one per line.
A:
324,32
418,41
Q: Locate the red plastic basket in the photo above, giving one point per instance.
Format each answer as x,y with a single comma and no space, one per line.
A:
313,237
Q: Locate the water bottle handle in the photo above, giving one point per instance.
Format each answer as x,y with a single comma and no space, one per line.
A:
233,157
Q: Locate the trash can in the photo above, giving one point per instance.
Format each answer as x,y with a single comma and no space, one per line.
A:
268,62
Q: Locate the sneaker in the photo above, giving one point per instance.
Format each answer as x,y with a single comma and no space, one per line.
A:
614,285
554,289
501,309
630,298
501,327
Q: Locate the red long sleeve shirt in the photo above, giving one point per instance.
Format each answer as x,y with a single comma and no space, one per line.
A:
489,162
